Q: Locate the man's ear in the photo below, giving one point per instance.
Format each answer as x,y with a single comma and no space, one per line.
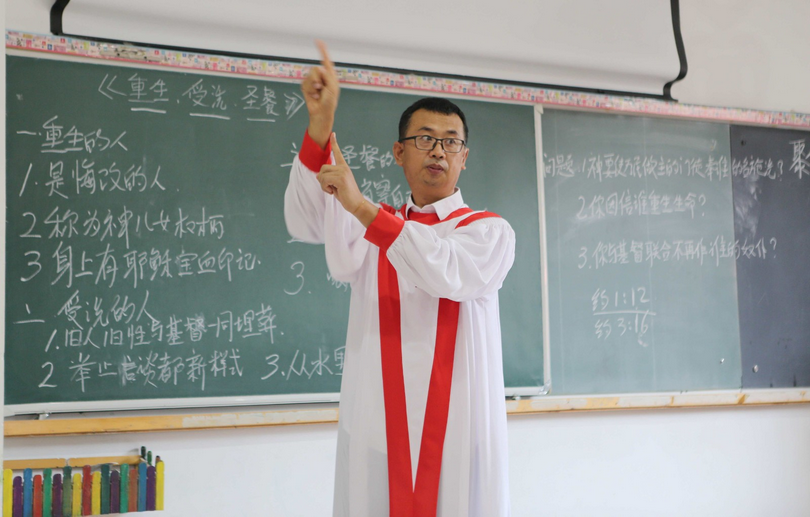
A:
399,150
464,158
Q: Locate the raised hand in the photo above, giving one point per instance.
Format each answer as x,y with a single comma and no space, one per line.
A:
338,180
321,91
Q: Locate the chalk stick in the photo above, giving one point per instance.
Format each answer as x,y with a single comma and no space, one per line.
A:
67,492
47,492
150,488
115,491
142,487
28,493
96,506
133,490
17,507
37,508
159,482
57,496
77,498
87,490
123,505
105,489
143,451
8,493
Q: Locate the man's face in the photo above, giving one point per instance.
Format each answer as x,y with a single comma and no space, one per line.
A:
432,175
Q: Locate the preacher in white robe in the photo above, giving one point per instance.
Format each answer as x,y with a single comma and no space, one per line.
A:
431,258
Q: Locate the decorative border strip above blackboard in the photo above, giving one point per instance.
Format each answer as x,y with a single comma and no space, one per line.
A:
362,77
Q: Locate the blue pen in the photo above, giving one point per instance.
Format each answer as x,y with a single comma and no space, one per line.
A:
142,487
28,493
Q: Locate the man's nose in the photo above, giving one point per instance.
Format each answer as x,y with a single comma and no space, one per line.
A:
438,150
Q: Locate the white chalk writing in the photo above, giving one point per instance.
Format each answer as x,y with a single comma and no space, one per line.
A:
622,312
652,252
627,203
609,166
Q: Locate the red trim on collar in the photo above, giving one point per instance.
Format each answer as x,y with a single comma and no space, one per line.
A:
386,226
476,217
431,218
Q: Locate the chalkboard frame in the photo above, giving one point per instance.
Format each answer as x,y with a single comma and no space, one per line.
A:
558,100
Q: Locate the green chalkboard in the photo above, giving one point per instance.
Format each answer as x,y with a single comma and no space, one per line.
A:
641,247
147,256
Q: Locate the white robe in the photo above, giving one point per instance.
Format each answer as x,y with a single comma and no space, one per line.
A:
467,265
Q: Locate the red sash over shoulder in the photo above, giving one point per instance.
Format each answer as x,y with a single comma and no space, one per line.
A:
405,500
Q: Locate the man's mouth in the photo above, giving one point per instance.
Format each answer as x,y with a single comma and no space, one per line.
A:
435,168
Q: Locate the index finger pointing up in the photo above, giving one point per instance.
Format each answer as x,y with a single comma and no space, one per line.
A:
325,61
339,160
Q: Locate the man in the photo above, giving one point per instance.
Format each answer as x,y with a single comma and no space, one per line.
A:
422,428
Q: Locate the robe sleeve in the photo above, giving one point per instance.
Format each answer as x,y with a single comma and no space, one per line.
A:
314,216
469,263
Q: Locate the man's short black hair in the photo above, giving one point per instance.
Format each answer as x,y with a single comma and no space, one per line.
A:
436,105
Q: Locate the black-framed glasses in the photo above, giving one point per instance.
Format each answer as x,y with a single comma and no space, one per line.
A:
428,143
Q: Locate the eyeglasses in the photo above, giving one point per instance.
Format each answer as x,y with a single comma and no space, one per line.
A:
428,143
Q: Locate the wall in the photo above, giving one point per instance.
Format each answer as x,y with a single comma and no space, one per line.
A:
709,462
746,54
736,462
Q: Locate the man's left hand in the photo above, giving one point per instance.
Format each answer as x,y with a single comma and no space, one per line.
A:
338,180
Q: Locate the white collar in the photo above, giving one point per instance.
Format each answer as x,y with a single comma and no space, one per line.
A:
442,208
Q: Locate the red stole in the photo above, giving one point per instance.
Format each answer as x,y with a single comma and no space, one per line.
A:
405,500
